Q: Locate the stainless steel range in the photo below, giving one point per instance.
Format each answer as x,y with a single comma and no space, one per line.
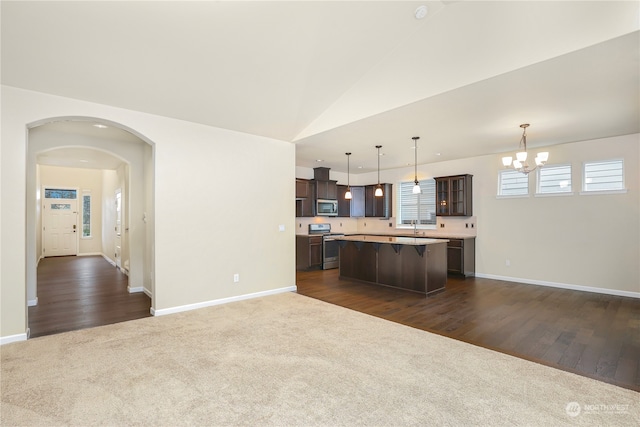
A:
330,248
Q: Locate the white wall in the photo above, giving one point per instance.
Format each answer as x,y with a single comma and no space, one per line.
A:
110,182
219,199
589,242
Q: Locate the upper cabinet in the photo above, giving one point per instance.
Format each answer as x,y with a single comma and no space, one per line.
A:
304,198
353,207
303,189
323,186
326,189
378,206
454,195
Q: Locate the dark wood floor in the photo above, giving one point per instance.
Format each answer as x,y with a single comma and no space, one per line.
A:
82,292
589,334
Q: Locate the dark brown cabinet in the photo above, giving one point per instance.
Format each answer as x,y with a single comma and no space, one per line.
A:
302,188
461,256
304,208
344,205
454,195
353,207
308,252
326,189
304,198
377,206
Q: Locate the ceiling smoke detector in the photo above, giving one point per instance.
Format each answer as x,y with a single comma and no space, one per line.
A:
421,12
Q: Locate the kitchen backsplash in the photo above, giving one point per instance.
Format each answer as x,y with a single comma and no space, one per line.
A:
466,226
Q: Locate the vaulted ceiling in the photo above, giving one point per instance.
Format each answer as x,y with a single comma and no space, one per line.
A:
335,76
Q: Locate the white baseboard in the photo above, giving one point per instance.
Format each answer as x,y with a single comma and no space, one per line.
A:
32,302
91,254
13,338
135,290
562,285
109,260
195,306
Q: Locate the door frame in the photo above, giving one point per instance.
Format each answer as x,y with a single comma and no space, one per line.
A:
118,241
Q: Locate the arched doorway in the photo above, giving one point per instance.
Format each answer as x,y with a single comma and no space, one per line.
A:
57,149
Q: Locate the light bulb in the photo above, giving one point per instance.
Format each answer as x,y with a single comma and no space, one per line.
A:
521,156
416,189
347,195
544,156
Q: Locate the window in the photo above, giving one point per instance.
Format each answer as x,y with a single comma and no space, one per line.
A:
86,215
603,176
417,207
513,183
61,206
54,193
554,179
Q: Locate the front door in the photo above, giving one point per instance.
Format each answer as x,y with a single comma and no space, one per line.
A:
60,222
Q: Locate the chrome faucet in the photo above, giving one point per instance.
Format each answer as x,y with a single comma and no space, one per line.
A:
415,227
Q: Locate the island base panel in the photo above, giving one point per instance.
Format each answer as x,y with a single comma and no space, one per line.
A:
402,267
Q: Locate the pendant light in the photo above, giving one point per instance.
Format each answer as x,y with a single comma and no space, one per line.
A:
416,186
347,195
378,192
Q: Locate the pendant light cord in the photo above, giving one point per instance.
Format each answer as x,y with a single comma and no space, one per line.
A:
378,147
348,177
415,152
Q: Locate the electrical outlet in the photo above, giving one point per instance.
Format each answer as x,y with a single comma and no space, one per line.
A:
236,278
442,225
508,263
466,225
472,225
390,225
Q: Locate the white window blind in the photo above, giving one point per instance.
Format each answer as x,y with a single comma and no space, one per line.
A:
554,179
604,175
513,183
417,207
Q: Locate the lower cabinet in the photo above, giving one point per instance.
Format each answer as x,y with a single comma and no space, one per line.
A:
461,256
308,252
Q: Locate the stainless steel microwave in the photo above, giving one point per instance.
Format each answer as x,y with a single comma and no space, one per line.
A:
326,207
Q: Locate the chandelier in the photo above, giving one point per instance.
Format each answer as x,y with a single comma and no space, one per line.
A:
520,162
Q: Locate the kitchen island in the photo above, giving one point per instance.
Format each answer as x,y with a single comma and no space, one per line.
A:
414,264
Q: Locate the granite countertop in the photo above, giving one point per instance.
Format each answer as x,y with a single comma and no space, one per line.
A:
430,234
393,240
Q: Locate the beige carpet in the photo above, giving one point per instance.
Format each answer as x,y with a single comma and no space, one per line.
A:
288,360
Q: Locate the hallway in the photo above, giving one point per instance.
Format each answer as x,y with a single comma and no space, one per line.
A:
82,292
